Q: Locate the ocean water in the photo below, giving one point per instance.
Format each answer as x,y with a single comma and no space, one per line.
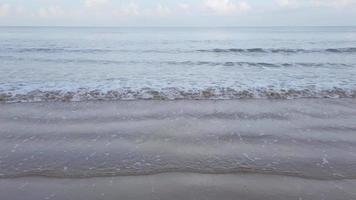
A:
78,64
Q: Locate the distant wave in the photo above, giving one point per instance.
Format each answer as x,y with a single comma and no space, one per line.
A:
215,50
174,94
259,64
87,50
281,50
180,63
57,50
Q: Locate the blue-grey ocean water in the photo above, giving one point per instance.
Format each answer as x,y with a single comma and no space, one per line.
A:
73,64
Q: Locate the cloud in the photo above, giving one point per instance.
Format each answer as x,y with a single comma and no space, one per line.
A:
226,7
96,3
51,11
184,9
287,3
13,11
333,3
162,10
21,11
178,12
315,3
131,9
184,6
243,6
4,10
109,10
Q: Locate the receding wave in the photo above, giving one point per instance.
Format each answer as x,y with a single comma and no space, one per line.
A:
112,172
174,94
280,50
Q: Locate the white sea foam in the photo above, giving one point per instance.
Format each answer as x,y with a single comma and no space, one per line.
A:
173,94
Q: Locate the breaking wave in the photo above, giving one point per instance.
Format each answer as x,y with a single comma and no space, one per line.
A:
173,94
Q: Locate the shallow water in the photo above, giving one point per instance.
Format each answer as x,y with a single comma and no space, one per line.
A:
232,149
73,64
312,139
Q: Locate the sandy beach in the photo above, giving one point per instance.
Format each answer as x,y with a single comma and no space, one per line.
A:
233,149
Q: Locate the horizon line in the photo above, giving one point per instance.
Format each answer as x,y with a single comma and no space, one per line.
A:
164,26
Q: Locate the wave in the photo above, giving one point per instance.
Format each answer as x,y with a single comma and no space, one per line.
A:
281,50
116,172
56,50
258,64
173,94
89,50
215,50
181,63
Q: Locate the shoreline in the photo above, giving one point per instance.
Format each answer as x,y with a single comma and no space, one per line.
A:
120,101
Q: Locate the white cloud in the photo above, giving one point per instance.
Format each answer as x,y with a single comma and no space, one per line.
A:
13,11
184,6
4,9
243,6
286,2
51,11
184,9
20,11
180,12
162,10
289,3
333,3
131,9
96,3
226,7
110,9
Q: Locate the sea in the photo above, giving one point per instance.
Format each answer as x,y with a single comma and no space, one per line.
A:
40,64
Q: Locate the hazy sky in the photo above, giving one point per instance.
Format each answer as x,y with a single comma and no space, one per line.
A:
177,12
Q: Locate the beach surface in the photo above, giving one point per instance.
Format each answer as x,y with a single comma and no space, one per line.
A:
228,149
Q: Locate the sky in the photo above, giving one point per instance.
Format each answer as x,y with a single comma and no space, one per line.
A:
177,12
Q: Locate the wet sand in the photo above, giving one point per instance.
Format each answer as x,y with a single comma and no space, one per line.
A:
178,186
236,149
